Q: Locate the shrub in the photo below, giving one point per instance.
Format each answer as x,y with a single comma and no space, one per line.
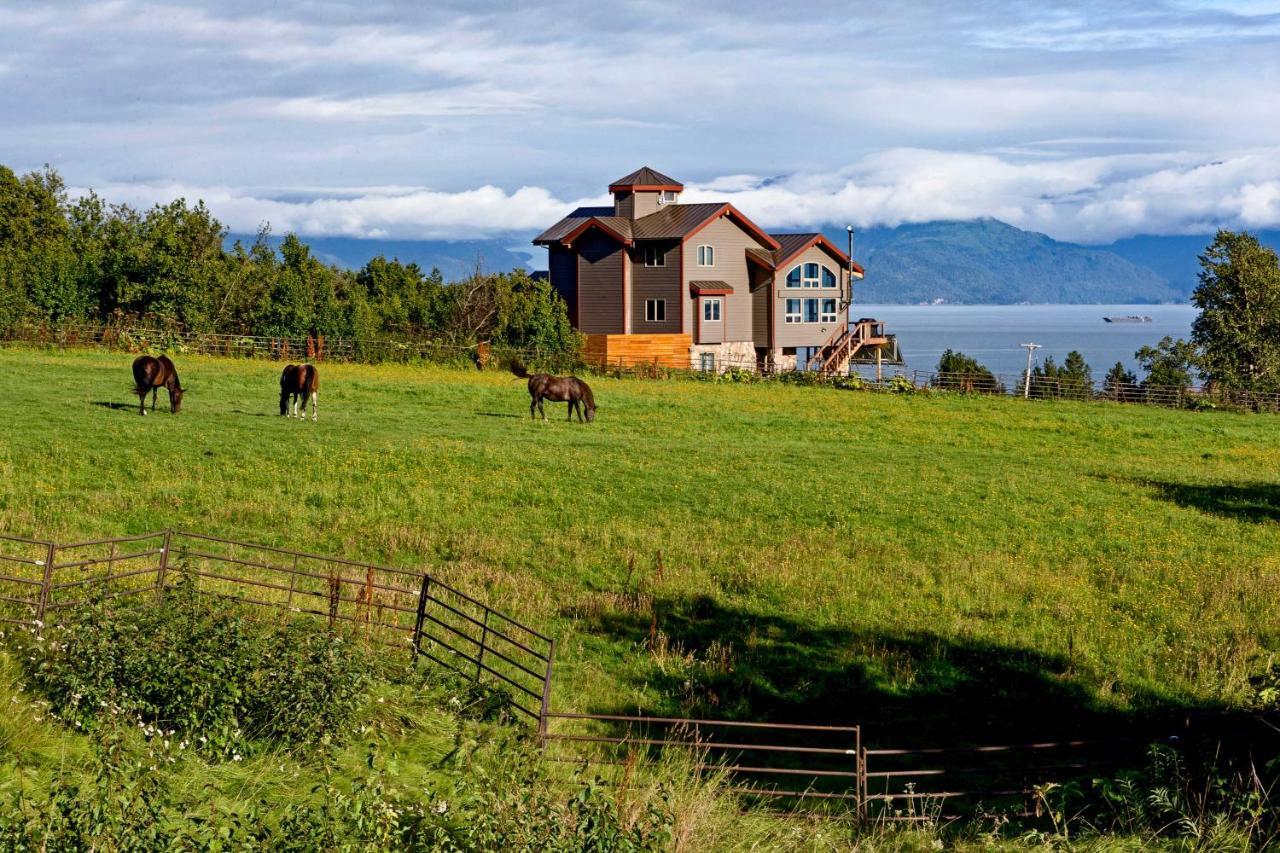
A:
959,372
198,668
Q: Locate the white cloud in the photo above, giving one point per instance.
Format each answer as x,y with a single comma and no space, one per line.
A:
1093,199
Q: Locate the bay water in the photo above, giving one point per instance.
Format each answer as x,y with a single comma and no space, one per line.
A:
992,333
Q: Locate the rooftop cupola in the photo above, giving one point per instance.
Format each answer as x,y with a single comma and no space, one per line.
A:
643,192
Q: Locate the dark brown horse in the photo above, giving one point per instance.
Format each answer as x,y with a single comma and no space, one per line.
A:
299,382
152,374
557,389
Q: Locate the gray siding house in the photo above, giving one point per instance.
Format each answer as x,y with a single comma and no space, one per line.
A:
652,279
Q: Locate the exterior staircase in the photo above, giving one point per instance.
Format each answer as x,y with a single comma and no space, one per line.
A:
846,342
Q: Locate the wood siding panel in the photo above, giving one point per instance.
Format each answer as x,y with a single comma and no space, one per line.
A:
631,350
562,267
600,284
655,283
806,334
731,243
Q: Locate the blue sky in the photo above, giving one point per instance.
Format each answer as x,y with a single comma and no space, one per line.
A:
1089,121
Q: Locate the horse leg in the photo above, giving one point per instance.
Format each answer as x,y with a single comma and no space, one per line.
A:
314,416
533,407
154,391
542,411
142,402
571,405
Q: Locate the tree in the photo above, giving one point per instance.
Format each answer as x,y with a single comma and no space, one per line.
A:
1238,329
959,372
1073,380
1169,365
1120,384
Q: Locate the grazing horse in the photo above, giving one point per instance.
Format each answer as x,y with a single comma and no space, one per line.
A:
557,389
150,374
299,382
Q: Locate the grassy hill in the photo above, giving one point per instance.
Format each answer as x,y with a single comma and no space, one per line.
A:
826,555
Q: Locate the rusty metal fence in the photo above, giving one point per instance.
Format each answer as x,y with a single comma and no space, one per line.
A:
409,610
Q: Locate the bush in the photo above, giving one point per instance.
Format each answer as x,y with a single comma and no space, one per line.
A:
199,669
959,372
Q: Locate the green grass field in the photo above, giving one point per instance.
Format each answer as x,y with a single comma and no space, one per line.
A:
940,568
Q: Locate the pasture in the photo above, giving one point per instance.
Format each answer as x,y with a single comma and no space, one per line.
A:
940,568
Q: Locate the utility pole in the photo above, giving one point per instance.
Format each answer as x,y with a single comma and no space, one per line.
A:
849,228
1026,382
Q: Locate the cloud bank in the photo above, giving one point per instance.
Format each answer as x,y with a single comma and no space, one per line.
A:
1089,200
1086,120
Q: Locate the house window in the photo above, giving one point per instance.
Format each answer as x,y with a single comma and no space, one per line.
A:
828,310
706,256
793,310
668,197
711,310
811,275
811,310
655,256
655,310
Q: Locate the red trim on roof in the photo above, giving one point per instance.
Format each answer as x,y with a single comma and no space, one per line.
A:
727,291
744,223
615,188
568,239
820,240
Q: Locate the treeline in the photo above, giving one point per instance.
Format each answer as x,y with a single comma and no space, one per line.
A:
1234,346
65,260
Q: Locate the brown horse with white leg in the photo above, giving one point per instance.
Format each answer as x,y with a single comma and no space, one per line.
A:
298,383
557,389
152,374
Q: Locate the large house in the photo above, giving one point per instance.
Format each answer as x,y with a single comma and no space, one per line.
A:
651,279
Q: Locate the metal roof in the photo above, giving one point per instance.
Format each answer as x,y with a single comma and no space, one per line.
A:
646,178
710,287
579,217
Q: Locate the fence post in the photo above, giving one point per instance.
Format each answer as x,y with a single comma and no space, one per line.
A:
862,778
46,581
546,697
163,568
484,639
422,614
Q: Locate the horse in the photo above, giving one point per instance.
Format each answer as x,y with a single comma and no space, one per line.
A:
150,374
557,389
299,382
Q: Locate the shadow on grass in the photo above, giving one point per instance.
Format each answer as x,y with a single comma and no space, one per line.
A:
1257,502
497,415
119,407
909,687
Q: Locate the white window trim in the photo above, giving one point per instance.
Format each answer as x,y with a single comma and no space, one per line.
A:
809,283
823,316
797,317
817,309
709,254
668,197
651,310
707,303
655,256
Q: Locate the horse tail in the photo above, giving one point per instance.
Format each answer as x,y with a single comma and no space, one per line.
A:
518,369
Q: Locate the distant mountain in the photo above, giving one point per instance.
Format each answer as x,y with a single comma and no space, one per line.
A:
456,259
1176,258
982,261
990,262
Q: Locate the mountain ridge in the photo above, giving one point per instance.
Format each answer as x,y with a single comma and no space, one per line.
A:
976,261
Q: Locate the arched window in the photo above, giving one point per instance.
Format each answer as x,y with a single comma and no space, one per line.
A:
811,275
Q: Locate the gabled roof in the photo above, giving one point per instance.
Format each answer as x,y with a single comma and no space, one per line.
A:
674,221
645,178
574,221
791,245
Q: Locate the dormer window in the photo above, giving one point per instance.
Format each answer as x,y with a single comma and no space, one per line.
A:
655,256
668,197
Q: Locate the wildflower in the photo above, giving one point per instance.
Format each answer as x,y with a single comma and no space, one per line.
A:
441,807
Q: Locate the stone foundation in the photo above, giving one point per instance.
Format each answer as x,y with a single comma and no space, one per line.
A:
739,354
